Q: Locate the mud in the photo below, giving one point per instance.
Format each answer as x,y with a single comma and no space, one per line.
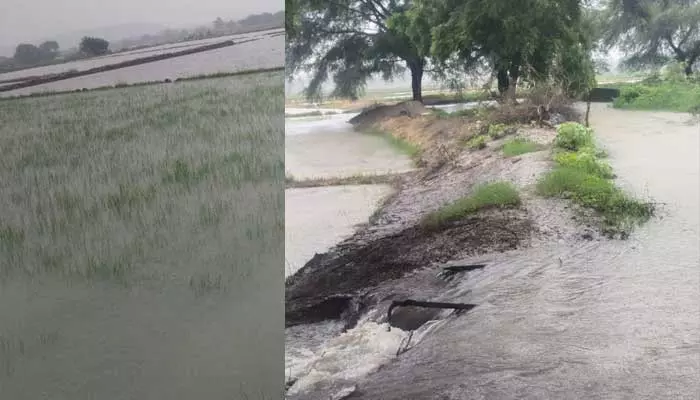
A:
348,280
323,288
569,319
338,302
376,113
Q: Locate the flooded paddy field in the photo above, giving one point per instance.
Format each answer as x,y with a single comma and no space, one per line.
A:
115,58
327,147
267,52
141,239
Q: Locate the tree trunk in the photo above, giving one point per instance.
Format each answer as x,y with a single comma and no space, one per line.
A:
689,64
417,80
502,76
513,75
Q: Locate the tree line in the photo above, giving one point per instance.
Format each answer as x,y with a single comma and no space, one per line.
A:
529,41
27,54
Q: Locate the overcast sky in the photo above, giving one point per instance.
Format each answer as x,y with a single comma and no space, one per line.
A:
29,20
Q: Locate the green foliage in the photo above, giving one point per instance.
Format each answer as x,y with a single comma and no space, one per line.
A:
517,41
490,195
518,146
349,41
497,131
93,46
586,180
573,136
584,160
620,212
653,32
668,95
477,142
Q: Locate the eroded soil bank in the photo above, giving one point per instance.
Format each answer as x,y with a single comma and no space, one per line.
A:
394,257
564,314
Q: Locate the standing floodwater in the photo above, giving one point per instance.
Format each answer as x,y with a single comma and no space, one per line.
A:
602,320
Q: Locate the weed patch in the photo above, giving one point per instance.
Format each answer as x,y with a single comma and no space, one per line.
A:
497,131
518,146
491,195
662,96
573,136
582,177
477,142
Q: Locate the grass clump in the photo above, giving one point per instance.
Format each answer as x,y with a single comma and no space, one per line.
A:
490,195
582,177
585,160
477,142
573,136
518,146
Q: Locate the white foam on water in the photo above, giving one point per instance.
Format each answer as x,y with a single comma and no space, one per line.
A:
349,356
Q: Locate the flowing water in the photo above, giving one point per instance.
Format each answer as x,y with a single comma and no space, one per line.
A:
600,320
318,218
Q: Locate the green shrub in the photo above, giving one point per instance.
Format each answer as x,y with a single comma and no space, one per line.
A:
573,136
659,95
585,160
497,131
620,212
477,142
490,195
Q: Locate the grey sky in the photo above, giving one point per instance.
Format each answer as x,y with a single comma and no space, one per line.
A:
29,20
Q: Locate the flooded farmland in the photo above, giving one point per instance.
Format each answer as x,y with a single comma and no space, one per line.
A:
141,238
268,52
317,218
561,319
82,65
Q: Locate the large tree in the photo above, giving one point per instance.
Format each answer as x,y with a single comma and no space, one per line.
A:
523,39
28,54
653,32
93,46
49,49
350,41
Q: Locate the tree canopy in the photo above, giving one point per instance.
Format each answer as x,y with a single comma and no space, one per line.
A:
350,41
523,41
652,32
28,54
93,46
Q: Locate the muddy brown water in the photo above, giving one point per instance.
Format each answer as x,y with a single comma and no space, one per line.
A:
562,319
598,320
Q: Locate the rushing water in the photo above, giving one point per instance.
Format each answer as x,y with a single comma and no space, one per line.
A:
318,218
599,320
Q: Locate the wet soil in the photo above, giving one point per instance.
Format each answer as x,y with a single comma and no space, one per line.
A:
352,286
345,282
328,284
571,320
